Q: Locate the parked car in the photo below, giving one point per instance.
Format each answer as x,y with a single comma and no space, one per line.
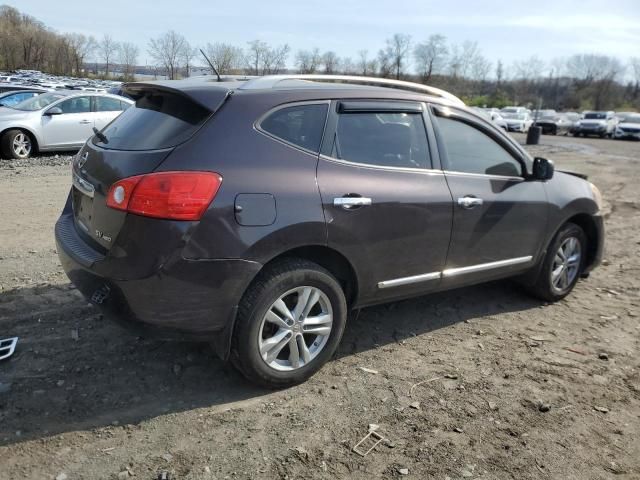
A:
12,87
596,123
494,115
55,121
518,122
257,214
556,124
514,110
622,116
8,99
629,128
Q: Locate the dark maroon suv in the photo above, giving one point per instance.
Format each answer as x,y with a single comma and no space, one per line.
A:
257,214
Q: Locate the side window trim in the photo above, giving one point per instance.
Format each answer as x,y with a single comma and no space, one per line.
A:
437,111
257,124
331,130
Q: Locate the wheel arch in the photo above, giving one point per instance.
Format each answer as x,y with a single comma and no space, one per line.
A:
328,258
588,226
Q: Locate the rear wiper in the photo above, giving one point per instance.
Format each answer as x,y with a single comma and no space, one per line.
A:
101,136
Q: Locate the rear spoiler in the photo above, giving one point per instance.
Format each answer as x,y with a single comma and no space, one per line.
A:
207,95
575,174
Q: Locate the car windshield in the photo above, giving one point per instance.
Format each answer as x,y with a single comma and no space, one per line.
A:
513,116
38,103
632,118
595,116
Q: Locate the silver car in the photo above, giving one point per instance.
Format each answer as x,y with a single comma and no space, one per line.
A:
56,121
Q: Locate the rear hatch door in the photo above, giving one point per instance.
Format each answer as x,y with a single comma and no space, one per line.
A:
135,143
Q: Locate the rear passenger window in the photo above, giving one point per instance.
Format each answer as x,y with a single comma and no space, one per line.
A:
471,151
301,125
382,139
106,104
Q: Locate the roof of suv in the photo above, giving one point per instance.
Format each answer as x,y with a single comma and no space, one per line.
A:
202,88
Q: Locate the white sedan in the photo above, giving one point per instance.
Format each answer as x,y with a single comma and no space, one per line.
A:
517,122
56,121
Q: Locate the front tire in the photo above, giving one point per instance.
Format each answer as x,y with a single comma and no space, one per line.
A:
290,322
562,264
17,144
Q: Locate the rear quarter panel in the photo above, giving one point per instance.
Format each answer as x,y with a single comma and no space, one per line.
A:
251,162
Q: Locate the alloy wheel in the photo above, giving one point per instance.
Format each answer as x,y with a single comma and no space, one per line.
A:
22,145
566,264
295,328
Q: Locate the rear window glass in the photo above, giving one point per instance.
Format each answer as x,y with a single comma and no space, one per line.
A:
158,120
301,125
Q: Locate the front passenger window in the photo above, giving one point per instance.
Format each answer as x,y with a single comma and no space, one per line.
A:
76,105
469,150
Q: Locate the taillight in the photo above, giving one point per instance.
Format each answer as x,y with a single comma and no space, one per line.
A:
169,195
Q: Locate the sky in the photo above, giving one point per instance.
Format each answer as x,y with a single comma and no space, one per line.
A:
507,31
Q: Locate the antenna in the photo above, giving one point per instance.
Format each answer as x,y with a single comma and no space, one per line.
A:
211,65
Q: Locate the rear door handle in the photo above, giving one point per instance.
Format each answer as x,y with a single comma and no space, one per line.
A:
469,201
351,202
85,122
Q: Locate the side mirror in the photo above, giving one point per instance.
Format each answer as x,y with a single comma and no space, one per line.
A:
542,169
54,111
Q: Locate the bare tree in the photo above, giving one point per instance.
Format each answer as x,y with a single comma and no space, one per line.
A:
365,66
168,50
529,69
226,58
108,48
385,64
307,61
82,46
128,59
262,59
397,51
431,56
499,73
347,66
331,62
188,54
597,74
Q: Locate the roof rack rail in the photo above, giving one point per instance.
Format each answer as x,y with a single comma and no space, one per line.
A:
270,81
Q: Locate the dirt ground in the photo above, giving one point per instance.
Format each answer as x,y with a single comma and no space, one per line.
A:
462,384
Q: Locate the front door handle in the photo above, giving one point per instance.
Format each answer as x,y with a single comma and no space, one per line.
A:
469,201
85,122
351,202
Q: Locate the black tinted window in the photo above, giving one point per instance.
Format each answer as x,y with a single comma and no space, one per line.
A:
106,104
470,150
76,105
158,120
383,139
301,125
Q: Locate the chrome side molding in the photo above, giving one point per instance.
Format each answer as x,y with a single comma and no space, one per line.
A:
450,272
407,280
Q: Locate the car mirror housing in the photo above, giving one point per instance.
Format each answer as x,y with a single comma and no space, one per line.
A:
54,111
542,169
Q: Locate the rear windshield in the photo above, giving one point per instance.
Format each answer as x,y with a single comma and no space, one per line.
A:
159,119
595,116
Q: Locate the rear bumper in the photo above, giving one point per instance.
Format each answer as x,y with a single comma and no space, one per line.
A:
192,298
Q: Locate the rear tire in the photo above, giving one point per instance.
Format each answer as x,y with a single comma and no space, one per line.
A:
562,264
17,144
276,342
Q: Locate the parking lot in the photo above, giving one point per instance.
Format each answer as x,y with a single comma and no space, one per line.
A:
481,382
